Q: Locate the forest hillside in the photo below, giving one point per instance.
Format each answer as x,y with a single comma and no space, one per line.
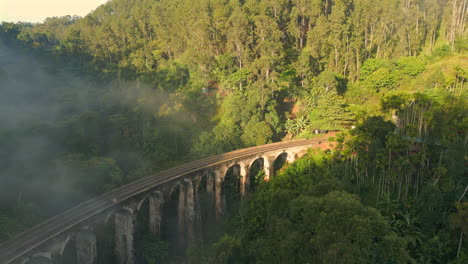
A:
137,86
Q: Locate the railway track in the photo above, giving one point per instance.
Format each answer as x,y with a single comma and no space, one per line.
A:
23,243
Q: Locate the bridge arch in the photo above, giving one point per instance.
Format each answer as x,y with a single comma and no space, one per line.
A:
280,161
140,202
68,252
269,164
256,166
231,186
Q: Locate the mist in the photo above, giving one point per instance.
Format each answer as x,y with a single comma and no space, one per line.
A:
31,102
64,140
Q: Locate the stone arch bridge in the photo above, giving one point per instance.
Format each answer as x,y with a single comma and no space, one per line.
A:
46,242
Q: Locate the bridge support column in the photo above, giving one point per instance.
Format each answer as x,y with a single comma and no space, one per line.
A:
86,251
269,167
156,201
210,179
190,216
124,234
181,216
220,199
244,179
291,157
187,215
197,208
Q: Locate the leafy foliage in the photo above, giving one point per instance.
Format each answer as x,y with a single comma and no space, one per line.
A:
92,103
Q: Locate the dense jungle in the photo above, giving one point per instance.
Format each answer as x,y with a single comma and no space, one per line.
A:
91,103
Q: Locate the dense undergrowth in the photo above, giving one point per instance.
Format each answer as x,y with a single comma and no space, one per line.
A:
378,197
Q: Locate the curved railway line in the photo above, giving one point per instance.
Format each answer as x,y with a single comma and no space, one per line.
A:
25,242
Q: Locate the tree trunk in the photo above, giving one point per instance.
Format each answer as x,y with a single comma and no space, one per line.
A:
460,244
453,24
463,195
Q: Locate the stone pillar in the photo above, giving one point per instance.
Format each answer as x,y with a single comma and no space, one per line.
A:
244,180
196,201
210,183
190,213
209,211
291,157
156,200
219,196
86,251
124,234
181,216
268,167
